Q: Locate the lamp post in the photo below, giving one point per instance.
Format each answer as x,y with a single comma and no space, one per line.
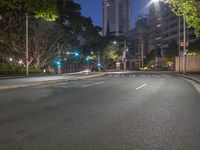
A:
124,55
179,46
27,61
184,47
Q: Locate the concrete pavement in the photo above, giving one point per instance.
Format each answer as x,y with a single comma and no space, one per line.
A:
113,112
33,81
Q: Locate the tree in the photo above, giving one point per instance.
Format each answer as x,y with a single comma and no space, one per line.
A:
46,9
12,22
172,51
194,47
111,55
44,43
190,10
44,37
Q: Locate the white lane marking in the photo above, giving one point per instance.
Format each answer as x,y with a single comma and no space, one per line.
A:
92,84
166,76
143,85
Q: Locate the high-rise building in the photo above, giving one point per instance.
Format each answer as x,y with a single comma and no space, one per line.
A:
116,17
165,27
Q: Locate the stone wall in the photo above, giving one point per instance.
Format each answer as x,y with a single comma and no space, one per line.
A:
192,64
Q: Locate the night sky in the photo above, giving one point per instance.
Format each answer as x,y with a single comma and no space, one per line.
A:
93,8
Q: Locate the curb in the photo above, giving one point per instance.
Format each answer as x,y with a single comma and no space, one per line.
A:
186,77
49,82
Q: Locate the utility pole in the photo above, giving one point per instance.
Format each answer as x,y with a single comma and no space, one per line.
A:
27,61
124,55
184,47
179,46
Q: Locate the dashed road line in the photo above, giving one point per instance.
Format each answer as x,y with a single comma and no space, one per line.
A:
97,83
166,76
142,76
143,85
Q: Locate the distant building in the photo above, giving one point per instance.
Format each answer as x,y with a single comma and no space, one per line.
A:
137,40
116,17
164,27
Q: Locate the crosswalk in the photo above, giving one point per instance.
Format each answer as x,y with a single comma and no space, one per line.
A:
140,75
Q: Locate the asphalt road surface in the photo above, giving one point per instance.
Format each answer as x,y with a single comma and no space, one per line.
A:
112,112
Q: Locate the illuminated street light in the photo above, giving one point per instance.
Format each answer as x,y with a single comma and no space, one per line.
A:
11,59
20,62
155,1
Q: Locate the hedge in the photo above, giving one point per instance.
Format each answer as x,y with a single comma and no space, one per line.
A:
10,69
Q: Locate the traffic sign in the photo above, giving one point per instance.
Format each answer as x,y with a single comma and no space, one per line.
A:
182,44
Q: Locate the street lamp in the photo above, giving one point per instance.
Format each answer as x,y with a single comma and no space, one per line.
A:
27,61
115,42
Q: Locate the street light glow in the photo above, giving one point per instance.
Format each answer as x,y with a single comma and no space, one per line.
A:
155,1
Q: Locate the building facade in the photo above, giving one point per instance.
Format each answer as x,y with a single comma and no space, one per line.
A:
165,27
137,40
116,17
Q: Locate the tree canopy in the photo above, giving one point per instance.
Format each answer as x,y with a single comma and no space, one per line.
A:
46,9
190,10
55,27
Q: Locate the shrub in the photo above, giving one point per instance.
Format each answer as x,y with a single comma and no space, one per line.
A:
10,69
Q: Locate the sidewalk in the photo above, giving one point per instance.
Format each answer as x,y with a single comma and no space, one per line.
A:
33,81
195,76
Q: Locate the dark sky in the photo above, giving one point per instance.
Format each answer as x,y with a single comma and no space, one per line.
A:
93,8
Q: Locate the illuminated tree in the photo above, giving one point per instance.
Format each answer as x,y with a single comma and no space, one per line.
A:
190,9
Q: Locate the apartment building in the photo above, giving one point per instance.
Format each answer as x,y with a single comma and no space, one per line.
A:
116,17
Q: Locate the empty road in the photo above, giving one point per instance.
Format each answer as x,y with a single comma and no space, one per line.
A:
112,112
